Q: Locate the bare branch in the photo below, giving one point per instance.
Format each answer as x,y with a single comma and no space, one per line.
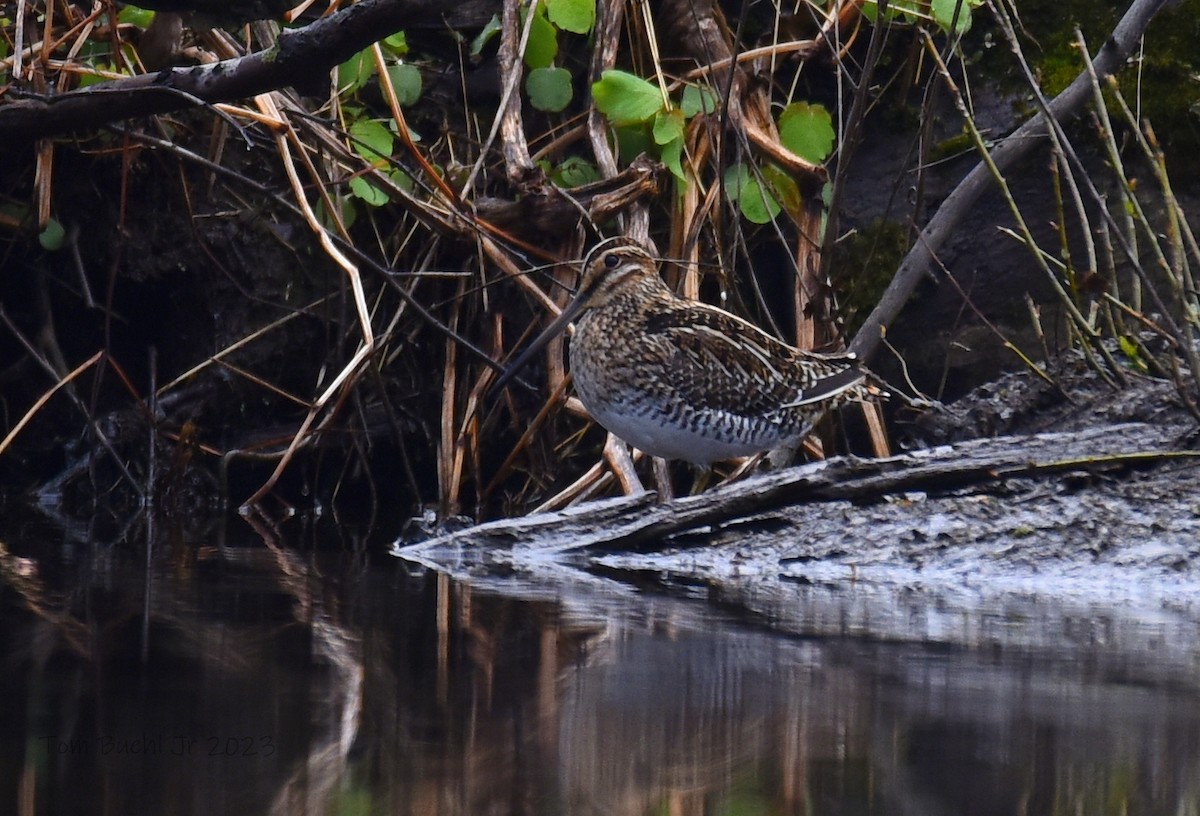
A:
301,57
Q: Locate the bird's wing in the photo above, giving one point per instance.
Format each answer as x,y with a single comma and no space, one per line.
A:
720,362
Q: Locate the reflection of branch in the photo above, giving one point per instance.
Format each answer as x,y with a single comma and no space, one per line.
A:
309,789
915,265
302,56
22,575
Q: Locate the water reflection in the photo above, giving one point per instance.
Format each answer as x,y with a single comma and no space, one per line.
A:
285,677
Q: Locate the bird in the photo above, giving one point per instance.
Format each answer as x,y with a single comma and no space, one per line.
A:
683,380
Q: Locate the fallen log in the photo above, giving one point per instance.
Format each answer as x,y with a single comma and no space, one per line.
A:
638,523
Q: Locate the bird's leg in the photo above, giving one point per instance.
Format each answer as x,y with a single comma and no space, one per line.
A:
619,460
662,480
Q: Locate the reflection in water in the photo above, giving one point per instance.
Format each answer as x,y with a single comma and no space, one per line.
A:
270,678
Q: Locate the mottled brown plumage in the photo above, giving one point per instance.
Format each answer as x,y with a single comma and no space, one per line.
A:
684,380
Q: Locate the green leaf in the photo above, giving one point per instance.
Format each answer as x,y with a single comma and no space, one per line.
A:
943,15
86,80
14,212
672,157
697,99
625,98
132,15
395,128
346,205
542,47
756,204
549,89
356,71
402,180
367,192
574,171
53,236
406,79
911,11
633,140
807,131
373,141
668,126
576,16
397,44
1132,353
783,187
485,35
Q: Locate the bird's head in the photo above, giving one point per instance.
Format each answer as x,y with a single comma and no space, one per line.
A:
610,267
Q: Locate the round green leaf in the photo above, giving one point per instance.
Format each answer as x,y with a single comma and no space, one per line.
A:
406,79
402,180
736,176
542,47
697,99
807,131
576,16
53,236
367,192
575,171
372,141
354,72
943,14
549,89
625,98
756,203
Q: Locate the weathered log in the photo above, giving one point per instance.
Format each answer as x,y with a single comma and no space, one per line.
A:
639,523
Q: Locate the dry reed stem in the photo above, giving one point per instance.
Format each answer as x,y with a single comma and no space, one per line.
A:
350,371
44,398
449,463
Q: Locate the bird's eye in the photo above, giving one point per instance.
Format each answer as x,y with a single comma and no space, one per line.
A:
611,261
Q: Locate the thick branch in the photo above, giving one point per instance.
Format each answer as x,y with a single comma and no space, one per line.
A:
915,265
303,56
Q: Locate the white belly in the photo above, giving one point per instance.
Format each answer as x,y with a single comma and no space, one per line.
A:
689,441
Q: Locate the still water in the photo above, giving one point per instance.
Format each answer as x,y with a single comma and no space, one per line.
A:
242,673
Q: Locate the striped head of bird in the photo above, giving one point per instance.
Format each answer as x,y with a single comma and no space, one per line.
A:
609,269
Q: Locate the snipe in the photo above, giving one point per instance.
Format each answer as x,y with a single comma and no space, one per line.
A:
684,380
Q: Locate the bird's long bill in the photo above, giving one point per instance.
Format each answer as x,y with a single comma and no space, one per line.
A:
554,329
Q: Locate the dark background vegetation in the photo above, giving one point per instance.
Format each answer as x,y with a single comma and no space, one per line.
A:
168,259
